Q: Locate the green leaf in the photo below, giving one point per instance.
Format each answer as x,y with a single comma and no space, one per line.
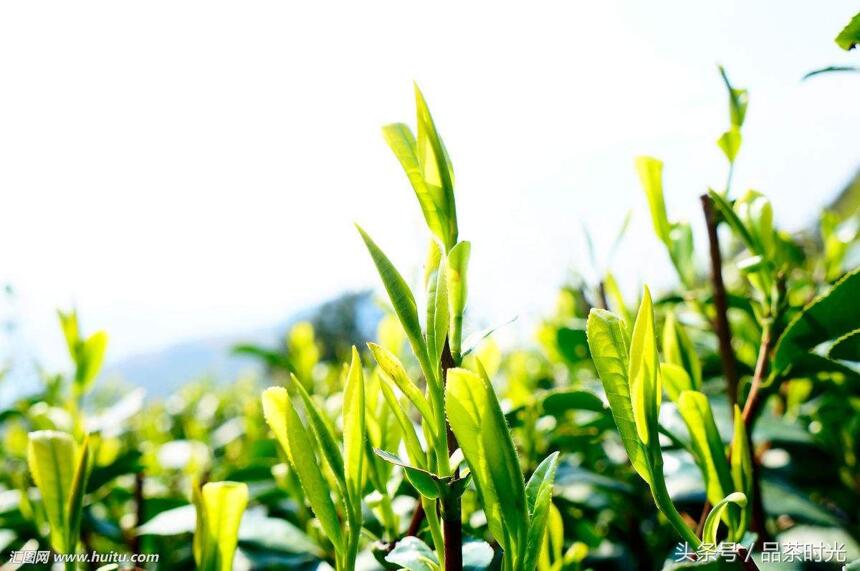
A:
539,497
458,291
394,371
401,299
829,316
651,176
675,380
712,522
69,325
402,142
741,467
609,345
733,221
76,493
437,314
849,37
846,347
644,372
678,350
707,444
738,101
219,506
296,441
322,432
412,554
427,484
479,425
730,143
92,355
436,169
559,401
354,429
53,459
410,437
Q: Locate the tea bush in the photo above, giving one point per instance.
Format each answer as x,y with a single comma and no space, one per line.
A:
427,449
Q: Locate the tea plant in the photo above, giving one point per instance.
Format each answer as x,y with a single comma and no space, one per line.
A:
430,449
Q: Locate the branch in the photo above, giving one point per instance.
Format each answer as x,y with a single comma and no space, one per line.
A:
721,321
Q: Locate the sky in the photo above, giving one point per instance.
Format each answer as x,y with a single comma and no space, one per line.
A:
191,169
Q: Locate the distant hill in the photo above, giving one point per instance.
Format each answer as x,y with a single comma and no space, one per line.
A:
348,319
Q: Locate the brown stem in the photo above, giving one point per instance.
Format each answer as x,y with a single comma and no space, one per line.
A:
452,517
751,407
721,321
601,290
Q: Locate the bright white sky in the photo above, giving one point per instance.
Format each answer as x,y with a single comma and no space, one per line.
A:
185,169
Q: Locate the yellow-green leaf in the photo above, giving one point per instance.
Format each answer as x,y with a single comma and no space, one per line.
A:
730,143
393,369
644,372
296,441
539,496
675,380
609,346
741,467
437,170
458,291
410,437
322,432
678,349
354,428
53,459
707,444
437,314
479,425
651,176
219,506
91,358
712,522
401,299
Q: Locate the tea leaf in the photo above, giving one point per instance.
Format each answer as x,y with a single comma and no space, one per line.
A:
354,428
458,291
741,466
394,370
651,176
52,458
609,346
644,372
678,349
479,425
849,37
220,506
712,522
401,299
402,142
437,314
707,444
76,494
539,496
427,484
410,437
846,347
829,316
92,355
738,101
298,444
323,433
730,143
675,380
733,221
437,170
